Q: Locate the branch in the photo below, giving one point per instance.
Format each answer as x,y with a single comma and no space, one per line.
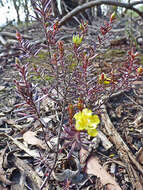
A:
136,3
13,35
100,2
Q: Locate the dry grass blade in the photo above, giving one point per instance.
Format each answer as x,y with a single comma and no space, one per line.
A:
30,138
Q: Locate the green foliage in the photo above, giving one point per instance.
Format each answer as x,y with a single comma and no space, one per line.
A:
35,78
40,59
42,55
48,78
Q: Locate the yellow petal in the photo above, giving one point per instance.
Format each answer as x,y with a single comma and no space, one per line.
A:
78,115
80,125
95,119
85,120
107,81
92,132
87,112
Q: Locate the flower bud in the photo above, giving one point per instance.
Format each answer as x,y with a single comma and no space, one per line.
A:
80,104
112,17
77,39
140,70
56,25
81,27
17,61
103,79
70,110
18,36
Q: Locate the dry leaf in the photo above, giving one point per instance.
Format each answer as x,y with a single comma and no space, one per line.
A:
3,177
93,167
29,138
83,155
32,153
119,111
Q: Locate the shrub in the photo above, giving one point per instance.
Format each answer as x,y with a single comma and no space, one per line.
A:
70,80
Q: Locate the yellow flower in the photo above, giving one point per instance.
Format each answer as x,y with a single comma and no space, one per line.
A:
86,121
82,118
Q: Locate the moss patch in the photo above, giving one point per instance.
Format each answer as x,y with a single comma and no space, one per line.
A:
41,58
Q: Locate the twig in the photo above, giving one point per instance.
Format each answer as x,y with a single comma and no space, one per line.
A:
100,2
57,153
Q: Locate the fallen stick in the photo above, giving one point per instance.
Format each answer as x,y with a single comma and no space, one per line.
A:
83,7
13,35
122,149
105,141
